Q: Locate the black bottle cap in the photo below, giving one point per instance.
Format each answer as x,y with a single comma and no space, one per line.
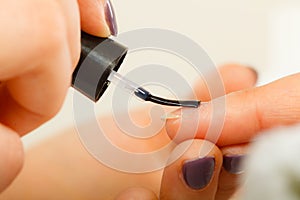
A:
98,57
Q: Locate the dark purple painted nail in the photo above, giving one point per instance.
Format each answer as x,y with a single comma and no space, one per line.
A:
198,173
111,18
233,163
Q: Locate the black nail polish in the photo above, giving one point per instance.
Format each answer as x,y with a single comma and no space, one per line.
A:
198,173
233,163
110,17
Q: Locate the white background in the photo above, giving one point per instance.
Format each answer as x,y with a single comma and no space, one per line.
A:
264,34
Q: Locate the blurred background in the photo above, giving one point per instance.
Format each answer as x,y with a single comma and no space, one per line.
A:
264,34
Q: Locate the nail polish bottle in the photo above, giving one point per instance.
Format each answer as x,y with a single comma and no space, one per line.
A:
99,57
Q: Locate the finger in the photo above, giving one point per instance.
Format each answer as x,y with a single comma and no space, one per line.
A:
232,170
195,174
11,154
70,11
54,22
247,113
45,33
235,77
34,84
35,97
136,193
97,17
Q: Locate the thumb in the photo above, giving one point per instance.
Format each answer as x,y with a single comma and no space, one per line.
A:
246,113
194,175
98,17
11,156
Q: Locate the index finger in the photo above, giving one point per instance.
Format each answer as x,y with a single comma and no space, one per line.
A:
195,174
247,113
36,71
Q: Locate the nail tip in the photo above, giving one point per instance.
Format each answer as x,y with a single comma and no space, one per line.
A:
110,18
169,116
254,71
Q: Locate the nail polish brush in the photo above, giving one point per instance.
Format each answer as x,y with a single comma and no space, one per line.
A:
98,65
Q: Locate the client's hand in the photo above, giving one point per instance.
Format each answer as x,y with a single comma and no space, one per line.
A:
204,171
247,112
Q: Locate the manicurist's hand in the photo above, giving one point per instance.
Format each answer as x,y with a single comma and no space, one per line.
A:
40,46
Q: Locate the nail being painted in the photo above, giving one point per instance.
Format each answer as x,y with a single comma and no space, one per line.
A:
170,116
185,113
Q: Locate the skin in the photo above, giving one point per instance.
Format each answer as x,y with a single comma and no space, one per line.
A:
32,91
40,51
60,164
250,111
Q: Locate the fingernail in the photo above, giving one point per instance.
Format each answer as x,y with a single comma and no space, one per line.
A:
110,18
170,116
233,163
184,113
198,173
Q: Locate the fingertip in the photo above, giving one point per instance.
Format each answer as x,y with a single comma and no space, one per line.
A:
100,30
233,168
233,163
231,120
254,72
198,173
110,18
93,17
189,123
237,76
194,174
233,158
